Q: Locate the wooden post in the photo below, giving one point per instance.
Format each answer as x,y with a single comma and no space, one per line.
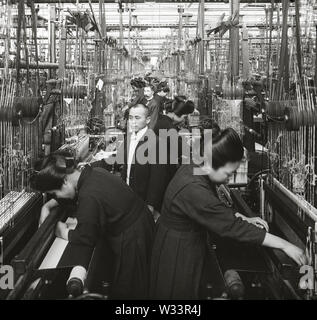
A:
245,53
62,54
8,40
179,44
129,42
315,84
52,39
283,63
120,58
298,38
102,22
202,35
234,41
269,58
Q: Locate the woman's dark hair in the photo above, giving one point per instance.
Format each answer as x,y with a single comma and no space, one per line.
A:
182,106
163,86
50,172
226,147
168,105
138,83
209,123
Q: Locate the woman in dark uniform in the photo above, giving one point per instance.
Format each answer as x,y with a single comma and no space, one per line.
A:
191,208
106,207
176,111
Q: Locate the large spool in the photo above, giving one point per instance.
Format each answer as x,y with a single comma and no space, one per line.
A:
27,107
295,118
7,114
23,108
232,92
277,108
76,281
75,91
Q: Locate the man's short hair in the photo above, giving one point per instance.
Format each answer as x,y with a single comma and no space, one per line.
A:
141,105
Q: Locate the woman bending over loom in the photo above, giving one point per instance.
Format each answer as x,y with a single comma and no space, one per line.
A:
106,209
191,208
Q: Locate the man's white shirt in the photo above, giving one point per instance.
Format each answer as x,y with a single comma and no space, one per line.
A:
134,140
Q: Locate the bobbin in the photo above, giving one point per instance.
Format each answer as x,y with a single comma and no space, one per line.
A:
27,107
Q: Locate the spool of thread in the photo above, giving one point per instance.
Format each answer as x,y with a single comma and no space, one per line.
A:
27,107
105,287
7,114
234,285
277,108
311,117
232,92
292,122
209,290
76,280
75,91
295,118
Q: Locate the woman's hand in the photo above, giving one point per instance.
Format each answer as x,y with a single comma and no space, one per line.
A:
291,250
258,222
296,254
156,215
61,230
45,211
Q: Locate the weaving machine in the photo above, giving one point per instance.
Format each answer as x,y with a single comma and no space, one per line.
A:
36,120
47,267
269,273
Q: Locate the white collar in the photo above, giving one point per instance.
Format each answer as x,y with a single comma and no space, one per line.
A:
140,133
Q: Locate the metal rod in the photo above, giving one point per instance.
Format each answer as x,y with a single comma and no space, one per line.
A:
46,65
156,1
301,203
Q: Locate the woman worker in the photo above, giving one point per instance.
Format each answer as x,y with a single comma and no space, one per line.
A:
176,111
106,207
191,208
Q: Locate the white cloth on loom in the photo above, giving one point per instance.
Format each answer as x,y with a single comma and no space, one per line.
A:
56,250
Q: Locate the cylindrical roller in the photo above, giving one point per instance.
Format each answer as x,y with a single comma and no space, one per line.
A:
27,107
234,285
76,281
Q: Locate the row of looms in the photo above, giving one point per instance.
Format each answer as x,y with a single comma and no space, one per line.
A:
66,68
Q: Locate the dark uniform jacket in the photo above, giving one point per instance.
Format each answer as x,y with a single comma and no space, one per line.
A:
107,207
166,123
162,102
191,208
163,122
154,108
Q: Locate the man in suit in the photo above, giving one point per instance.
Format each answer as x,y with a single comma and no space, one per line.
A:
152,103
161,96
149,180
